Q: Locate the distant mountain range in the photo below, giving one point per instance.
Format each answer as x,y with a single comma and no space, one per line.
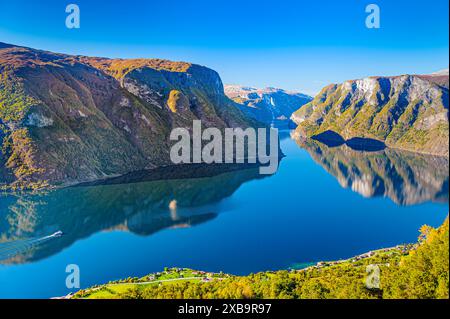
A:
408,112
269,105
66,119
441,72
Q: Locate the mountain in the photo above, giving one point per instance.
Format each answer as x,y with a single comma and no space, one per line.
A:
408,112
67,119
441,72
269,105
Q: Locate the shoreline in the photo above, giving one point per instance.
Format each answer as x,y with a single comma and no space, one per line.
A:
204,276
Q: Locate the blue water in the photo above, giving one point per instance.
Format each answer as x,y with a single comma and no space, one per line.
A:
237,222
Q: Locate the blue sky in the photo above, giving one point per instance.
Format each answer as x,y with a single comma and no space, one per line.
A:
292,44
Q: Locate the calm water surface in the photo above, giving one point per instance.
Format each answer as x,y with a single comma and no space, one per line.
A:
322,204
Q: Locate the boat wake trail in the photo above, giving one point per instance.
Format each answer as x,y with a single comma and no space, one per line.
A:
13,248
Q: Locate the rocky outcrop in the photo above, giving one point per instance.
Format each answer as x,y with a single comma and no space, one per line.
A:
68,119
408,112
269,105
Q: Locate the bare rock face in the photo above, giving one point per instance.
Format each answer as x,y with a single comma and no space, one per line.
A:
407,112
68,119
266,105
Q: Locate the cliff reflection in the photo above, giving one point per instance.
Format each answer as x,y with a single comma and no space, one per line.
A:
139,207
404,177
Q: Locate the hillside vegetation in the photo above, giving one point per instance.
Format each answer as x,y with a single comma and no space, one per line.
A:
408,112
68,119
412,271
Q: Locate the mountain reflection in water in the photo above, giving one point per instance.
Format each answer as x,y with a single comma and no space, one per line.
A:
139,207
404,177
146,202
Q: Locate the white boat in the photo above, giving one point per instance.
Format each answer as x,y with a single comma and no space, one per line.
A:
57,234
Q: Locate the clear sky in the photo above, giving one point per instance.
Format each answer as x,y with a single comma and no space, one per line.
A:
292,44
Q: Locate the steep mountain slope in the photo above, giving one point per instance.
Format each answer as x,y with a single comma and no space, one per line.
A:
67,119
267,105
408,112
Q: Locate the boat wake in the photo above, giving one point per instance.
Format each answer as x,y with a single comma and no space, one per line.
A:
11,249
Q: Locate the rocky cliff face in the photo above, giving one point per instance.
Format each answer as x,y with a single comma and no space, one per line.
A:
67,119
267,105
407,112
